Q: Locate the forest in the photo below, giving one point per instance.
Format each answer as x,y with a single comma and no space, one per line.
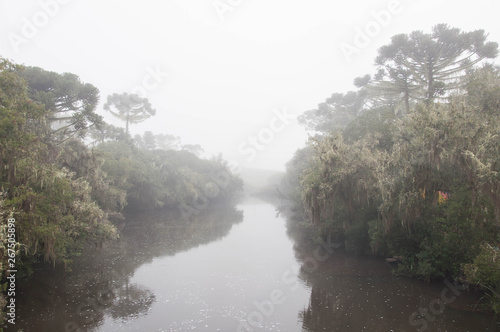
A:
66,176
407,165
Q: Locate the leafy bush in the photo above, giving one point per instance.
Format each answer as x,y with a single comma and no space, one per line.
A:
484,271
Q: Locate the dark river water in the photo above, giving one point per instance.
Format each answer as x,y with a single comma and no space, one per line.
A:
234,269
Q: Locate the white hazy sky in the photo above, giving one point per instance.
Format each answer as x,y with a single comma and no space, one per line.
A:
222,75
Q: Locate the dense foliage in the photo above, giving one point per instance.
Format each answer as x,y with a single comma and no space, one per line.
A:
411,167
166,178
53,208
62,191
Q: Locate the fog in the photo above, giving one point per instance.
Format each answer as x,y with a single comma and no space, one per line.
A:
198,203
228,75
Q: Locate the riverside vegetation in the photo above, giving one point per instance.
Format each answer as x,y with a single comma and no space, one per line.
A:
408,164
65,174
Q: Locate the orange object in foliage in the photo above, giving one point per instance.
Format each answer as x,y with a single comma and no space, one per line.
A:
443,196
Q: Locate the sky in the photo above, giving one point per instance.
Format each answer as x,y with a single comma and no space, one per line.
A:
230,75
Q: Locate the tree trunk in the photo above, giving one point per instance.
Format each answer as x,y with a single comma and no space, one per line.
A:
430,85
407,101
126,123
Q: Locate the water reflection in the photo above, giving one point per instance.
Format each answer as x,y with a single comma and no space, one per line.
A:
154,278
360,293
100,285
131,301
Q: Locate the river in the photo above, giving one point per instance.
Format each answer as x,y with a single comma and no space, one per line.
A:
234,269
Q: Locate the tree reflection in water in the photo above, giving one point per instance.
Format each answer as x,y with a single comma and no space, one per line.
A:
131,301
319,313
100,282
360,293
